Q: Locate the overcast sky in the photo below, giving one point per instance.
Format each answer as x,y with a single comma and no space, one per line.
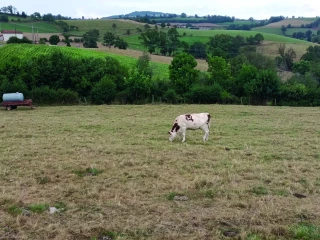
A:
103,8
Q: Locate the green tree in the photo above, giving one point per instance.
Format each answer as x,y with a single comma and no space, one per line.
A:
67,39
109,39
183,15
224,45
312,54
54,39
91,38
4,18
104,92
301,67
182,72
138,86
220,72
173,41
246,74
259,38
198,50
163,25
286,56
283,29
120,43
143,64
263,88
150,39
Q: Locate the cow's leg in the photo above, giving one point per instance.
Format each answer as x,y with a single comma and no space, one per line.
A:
183,132
206,130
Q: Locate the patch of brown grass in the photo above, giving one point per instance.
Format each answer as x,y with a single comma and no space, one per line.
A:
271,49
241,180
285,22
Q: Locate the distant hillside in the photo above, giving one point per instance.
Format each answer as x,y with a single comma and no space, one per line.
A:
138,13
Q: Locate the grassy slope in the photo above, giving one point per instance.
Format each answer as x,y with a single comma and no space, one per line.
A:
242,179
277,30
26,51
41,27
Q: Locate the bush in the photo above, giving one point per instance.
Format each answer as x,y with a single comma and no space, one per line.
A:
104,92
170,96
206,94
48,96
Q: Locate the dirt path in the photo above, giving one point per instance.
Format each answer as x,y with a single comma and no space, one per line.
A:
202,64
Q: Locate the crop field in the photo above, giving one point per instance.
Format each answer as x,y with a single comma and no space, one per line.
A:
26,27
111,173
278,31
27,51
295,22
104,25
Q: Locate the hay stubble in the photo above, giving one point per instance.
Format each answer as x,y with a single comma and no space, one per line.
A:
244,178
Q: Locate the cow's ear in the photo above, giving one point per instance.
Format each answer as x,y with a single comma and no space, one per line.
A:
169,132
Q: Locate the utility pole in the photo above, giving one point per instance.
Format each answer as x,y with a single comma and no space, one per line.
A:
32,34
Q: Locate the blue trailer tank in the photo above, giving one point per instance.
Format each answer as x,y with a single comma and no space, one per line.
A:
12,97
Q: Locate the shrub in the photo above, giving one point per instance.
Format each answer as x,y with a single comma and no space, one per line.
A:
49,96
104,92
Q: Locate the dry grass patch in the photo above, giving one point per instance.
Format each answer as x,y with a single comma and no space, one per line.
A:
241,183
285,22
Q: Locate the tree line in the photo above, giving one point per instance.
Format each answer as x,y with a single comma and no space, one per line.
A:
237,74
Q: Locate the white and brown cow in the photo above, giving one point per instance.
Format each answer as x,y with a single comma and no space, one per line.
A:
190,121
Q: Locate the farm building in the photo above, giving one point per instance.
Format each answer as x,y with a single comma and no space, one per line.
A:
11,33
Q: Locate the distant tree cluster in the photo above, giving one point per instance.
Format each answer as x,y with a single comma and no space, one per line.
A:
275,19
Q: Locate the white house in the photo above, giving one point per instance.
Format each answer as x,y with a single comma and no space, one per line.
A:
6,34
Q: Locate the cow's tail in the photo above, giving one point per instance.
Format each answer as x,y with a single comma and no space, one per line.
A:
209,120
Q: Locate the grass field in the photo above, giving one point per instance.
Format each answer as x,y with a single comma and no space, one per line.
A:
41,27
278,31
111,171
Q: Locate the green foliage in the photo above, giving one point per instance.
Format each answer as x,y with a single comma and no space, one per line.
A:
104,92
204,94
109,39
246,74
224,45
88,172
305,231
170,96
198,50
312,54
15,210
183,73
265,87
90,38
301,67
120,43
138,86
18,40
17,85
48,96
286,57
260,190
170,196
143,65
220,72
38,208
54,39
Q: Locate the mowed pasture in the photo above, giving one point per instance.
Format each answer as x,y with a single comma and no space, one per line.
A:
111,171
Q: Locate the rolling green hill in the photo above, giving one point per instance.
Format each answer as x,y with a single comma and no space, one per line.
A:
27,51
26,26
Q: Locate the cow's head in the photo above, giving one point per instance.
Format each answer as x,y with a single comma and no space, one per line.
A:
173,132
